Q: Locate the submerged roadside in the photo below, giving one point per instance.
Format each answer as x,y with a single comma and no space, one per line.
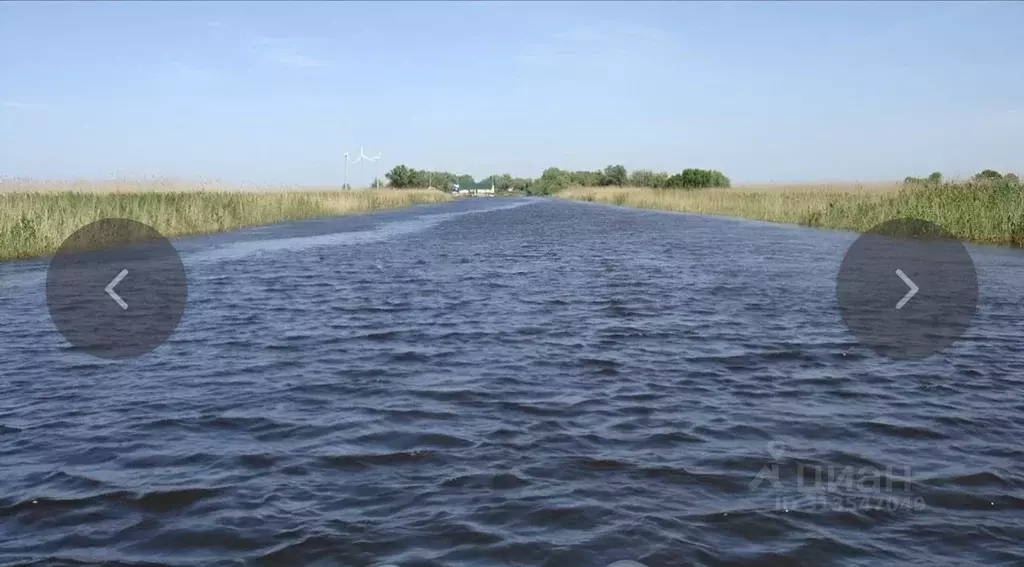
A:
979,212
35,223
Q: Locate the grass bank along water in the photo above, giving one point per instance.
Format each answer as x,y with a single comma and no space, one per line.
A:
990,212
34,221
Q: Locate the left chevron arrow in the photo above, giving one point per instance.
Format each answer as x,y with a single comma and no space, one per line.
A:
110,289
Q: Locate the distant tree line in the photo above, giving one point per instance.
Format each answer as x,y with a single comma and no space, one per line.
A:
992,175
935,179
554,179
405,177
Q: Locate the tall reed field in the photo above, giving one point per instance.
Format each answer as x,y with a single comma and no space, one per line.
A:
36,218
989,212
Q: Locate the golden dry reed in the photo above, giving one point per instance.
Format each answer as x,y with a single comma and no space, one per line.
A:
980,212
35,218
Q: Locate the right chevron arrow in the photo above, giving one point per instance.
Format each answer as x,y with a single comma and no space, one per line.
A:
910,283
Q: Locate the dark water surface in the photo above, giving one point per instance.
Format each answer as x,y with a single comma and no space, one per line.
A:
520,382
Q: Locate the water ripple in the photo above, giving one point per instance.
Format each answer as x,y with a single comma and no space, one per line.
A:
522,382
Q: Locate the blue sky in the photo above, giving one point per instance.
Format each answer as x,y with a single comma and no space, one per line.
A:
276,92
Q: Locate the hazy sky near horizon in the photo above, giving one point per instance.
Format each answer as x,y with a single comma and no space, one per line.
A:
269,92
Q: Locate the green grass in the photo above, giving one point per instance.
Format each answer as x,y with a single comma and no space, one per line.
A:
34,221
981,212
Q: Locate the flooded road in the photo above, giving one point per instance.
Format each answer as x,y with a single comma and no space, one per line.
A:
519,382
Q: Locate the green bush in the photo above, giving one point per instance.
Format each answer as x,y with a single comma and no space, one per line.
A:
933,180
614,175
401,176
697,179
988,175
584,178
552,180
648,178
